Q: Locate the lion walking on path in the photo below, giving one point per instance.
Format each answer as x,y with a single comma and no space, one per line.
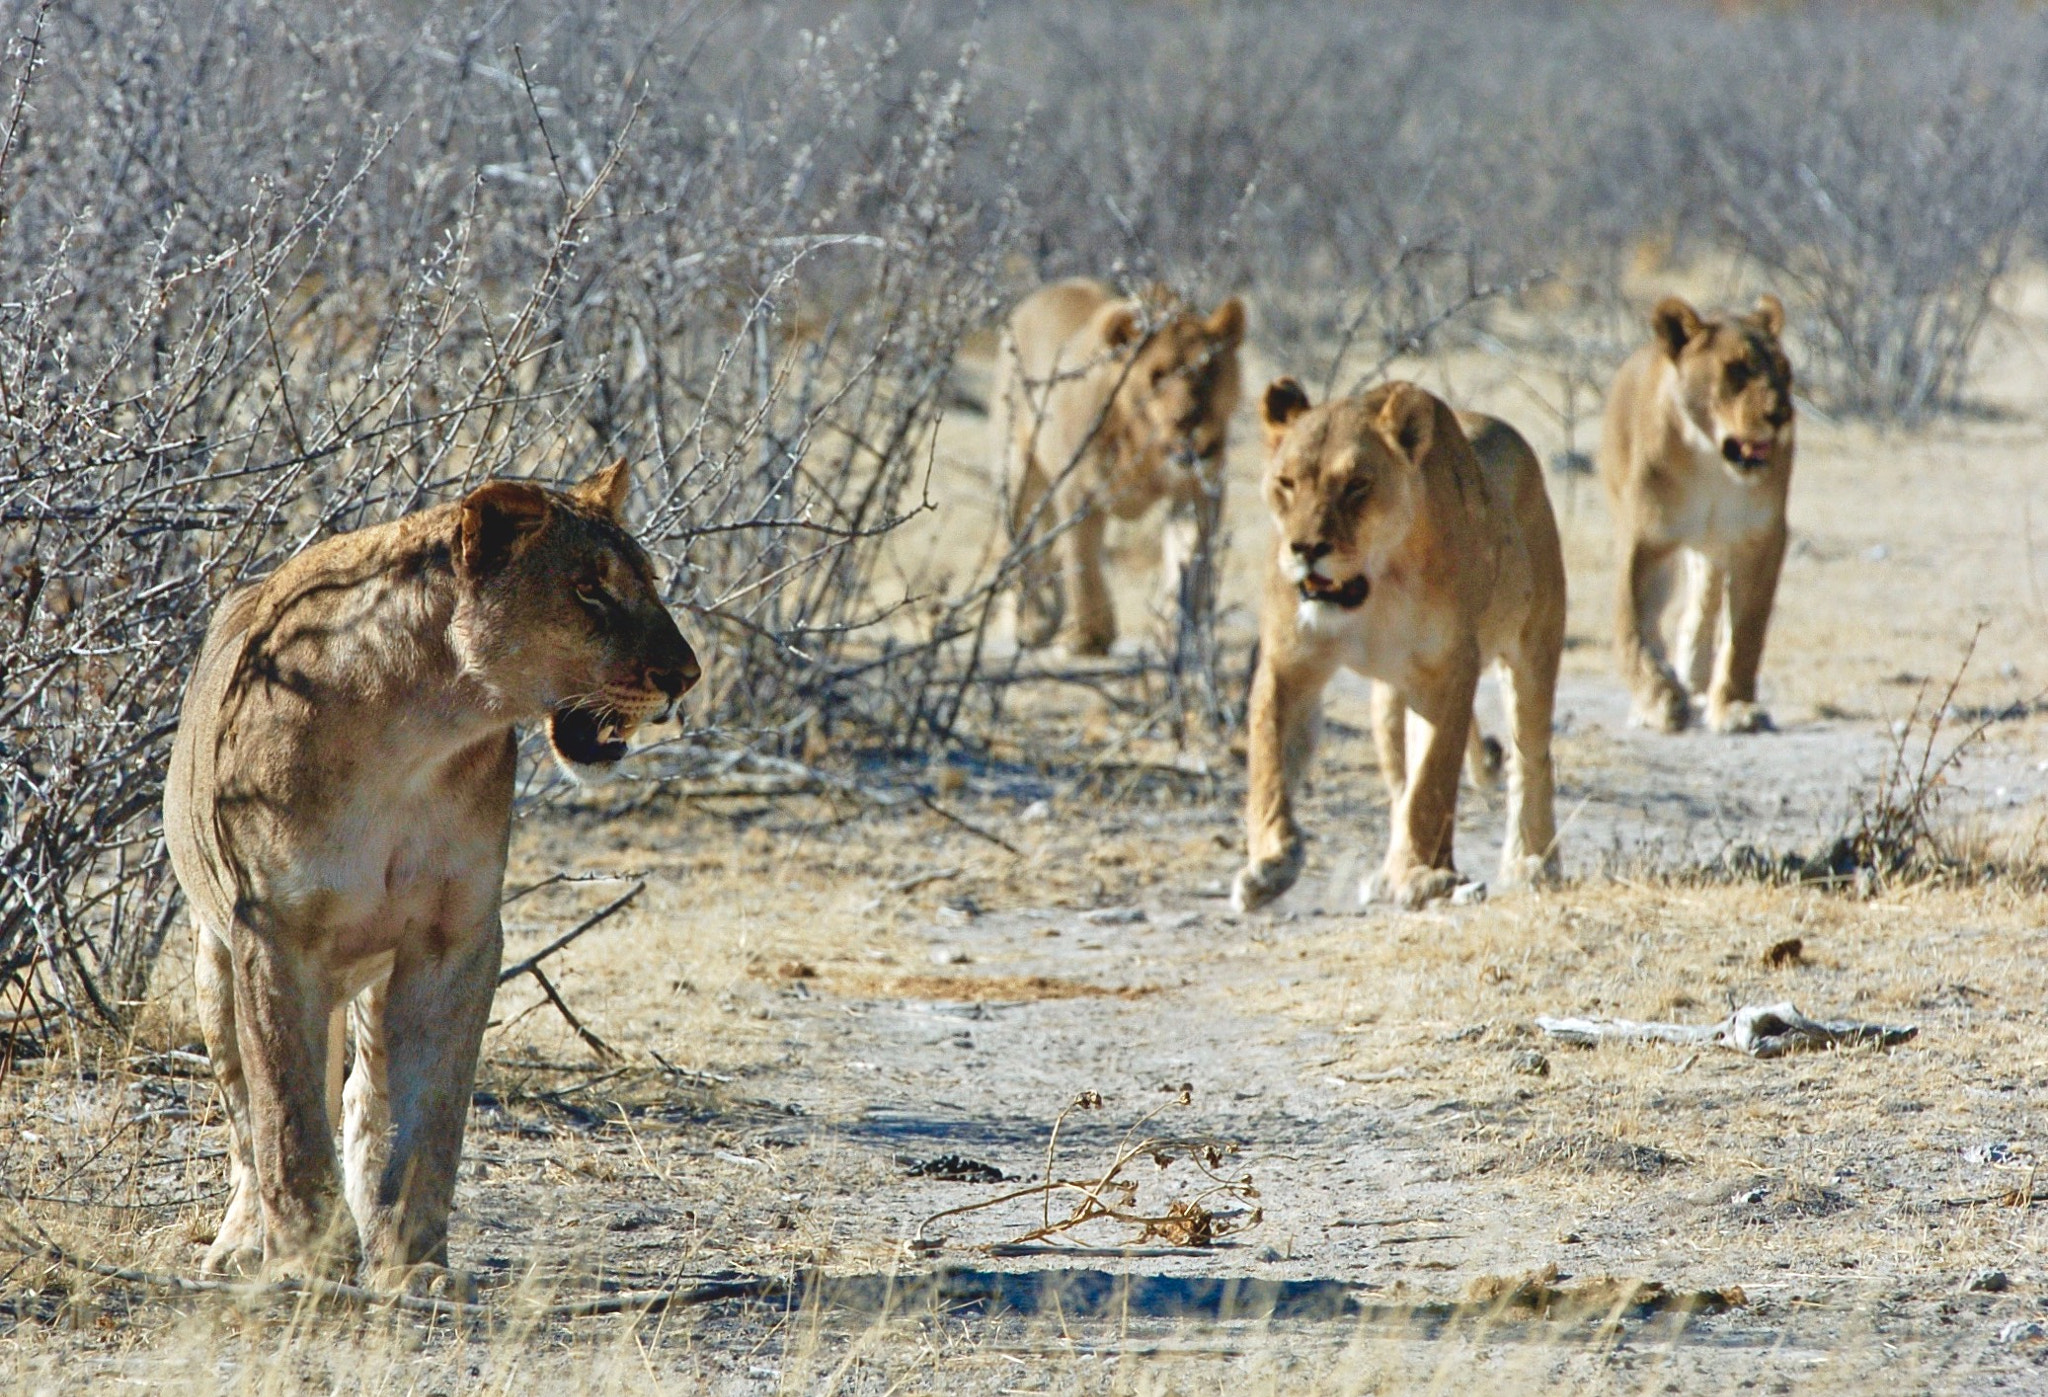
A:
1104,406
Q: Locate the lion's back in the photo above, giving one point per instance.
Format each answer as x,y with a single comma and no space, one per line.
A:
190,783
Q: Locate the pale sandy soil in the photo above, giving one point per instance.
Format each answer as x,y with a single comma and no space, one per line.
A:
814,994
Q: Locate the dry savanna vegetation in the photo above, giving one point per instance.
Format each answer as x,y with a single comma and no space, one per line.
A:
906,1041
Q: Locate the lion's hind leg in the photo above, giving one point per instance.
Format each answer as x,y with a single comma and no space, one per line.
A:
1041,602
1642,588
1529,849
366,1111
238,1242
1484,757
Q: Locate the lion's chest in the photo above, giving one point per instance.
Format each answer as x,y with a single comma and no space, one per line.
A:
414,855
1400,635
1710,510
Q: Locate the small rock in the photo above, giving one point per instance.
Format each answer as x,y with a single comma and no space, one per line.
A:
2022,1331
1468,894
1035,812
2008,670
1529,1063
1270,1254
951,955
1179,921
1115,916
1877,552
1997,1152
957,912
1990,1281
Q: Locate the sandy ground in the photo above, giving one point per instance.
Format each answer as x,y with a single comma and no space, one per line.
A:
816,995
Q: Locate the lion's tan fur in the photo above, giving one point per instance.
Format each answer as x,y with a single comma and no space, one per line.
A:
1697,468
1104,406
1445,518
337,810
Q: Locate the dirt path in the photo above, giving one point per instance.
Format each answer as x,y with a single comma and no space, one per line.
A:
1408,1141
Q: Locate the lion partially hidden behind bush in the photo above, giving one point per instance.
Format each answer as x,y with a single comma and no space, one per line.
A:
1104,406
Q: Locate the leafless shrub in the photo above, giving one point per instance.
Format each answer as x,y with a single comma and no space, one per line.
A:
1886,172
203,373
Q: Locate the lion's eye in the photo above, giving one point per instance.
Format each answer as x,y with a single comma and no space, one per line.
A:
1738,375
1358,489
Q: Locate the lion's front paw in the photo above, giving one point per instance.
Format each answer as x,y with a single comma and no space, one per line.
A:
427,1280
1410,889
1262,880
240,1256
1738,716
237,1248
1528,871
1663,707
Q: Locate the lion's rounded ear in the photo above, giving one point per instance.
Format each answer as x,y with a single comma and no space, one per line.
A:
1408,417
499,520
1120,326
1227,325
1675,323
1769,315
605,490
1285,400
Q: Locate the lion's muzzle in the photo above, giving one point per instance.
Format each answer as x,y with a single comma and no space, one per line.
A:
1747,455
1349,594
586,736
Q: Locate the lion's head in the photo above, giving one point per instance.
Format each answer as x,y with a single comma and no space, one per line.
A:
1176,396
1344,483
1734,381
558,614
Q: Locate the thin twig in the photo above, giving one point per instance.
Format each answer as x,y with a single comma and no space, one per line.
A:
595,1043
976,830
616,906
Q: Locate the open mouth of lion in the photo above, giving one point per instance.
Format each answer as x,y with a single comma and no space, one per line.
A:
587,736
1747,455
1349,595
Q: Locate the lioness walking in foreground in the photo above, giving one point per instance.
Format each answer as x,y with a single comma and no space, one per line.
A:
1109,405
1696,454
337,811
1415,546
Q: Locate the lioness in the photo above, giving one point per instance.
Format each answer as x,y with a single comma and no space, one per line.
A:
1696,453
337,811
1108,405
1415,546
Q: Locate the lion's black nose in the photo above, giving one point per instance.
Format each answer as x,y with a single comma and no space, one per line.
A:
1309,552
679,678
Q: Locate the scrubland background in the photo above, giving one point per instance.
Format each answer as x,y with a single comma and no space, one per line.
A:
278,270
